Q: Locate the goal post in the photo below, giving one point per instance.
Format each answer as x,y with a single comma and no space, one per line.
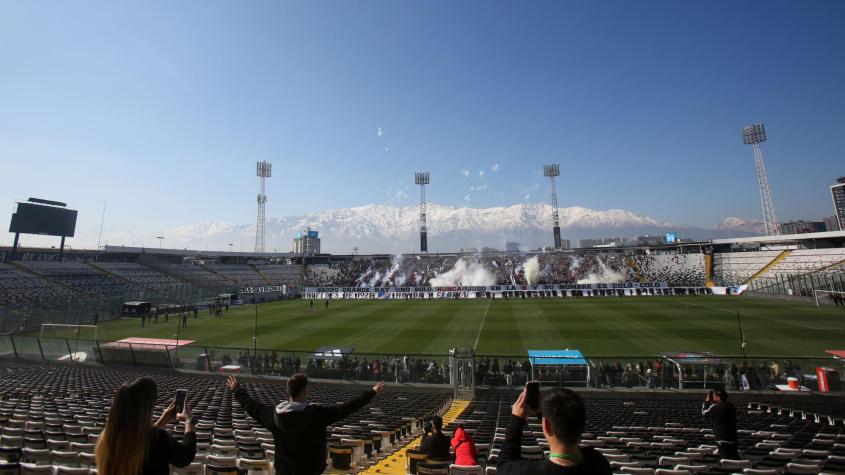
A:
829,297
69,331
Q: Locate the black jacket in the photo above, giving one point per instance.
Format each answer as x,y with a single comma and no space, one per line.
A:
436,446
166,451
299,430
511,462
723,415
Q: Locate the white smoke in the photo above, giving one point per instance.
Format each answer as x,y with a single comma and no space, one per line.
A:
532,270
608,277
398,280
464,273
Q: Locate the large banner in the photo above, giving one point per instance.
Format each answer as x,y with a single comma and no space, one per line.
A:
487,291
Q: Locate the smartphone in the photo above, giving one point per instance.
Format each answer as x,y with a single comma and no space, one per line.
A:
532,395
710,395
181,394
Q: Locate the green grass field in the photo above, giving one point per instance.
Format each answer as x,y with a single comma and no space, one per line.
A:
598,326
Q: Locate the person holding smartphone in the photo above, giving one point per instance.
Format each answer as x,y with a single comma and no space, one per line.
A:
722,413
130,445
563,420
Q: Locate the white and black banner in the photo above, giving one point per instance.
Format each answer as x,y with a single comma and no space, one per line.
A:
496,291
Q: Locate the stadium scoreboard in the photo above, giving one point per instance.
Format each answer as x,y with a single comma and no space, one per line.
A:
47,219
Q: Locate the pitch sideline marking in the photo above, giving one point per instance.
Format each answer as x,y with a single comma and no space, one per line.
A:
482,324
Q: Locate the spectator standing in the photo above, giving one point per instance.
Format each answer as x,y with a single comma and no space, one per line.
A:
563,421
717,408
299,428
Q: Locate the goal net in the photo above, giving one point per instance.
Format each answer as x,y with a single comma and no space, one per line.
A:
67,331
829,298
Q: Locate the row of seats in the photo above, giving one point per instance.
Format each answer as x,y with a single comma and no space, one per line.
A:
52,414
647,435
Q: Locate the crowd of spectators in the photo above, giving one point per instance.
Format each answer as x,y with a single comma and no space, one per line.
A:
510,269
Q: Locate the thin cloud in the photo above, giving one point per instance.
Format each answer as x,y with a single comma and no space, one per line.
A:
465,172
380,133
495,167
481,174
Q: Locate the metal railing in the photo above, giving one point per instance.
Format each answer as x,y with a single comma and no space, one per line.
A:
730,371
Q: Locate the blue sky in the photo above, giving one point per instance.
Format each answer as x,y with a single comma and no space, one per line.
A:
163,108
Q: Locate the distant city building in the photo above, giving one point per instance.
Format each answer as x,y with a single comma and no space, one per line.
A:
649,240
837,191
469,250
565,244
489,250
802,227
306,242
831,223
511,247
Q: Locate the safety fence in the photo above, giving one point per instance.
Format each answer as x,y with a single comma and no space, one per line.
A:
673,371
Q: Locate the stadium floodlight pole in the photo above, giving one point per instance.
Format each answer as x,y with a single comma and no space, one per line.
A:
263,170
551,171
422,179
754,135
160,239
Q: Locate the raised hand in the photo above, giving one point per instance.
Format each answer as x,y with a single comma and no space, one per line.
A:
519,409
378,388
232,383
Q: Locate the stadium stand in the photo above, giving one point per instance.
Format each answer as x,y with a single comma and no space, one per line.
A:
290,275
142,276
54,413
19,287
682,270
241,275
734,268
200,275
51,414
645,433
803,261
81,277
678,269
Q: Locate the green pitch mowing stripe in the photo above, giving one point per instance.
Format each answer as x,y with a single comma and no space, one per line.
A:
635,326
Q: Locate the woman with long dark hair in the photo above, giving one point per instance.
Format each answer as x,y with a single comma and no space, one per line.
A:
130,444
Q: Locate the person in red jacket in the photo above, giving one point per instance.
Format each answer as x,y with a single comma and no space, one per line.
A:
464,447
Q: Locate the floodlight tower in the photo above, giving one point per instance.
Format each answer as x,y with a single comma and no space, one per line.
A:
422,179
551,171
754,135
263,170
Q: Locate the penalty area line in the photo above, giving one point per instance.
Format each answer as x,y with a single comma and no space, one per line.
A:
481,328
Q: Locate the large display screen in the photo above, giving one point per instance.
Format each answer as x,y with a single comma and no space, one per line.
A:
39,219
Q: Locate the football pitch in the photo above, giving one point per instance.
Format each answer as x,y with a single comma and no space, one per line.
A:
643,326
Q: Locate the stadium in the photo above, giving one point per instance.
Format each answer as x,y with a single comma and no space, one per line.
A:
478,328
640,330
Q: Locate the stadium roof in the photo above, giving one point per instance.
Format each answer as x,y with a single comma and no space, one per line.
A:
784,238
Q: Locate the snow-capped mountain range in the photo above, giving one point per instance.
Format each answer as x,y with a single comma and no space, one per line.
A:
388,229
